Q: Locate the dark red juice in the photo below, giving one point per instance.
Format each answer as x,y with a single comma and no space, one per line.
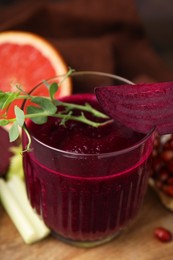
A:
87,183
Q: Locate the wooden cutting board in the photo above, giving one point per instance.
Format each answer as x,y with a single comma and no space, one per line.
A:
135,243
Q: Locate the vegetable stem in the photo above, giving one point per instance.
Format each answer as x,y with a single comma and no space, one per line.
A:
87,107
36,221
16,214
16,204
83,119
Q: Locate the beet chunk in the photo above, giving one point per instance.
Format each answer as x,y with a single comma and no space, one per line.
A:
141,106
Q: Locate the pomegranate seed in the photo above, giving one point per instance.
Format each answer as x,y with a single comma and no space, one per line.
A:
163,175
157,141
167,155
155,153
163,234
162,168
157,164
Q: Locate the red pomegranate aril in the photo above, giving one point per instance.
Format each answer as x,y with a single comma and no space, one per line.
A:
163,175
162,171
157,164
157,142
155,153
163,234
167,155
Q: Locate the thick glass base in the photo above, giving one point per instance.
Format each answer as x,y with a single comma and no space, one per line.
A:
85,244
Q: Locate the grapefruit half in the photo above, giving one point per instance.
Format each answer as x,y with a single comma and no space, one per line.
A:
27,59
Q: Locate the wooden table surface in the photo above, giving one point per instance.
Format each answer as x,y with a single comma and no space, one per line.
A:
135,243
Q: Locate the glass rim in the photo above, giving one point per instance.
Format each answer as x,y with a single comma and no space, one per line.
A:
98,155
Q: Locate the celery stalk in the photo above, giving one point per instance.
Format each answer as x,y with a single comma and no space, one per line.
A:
16,214
16,165
17,188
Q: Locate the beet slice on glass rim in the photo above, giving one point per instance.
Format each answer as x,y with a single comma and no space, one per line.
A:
139,106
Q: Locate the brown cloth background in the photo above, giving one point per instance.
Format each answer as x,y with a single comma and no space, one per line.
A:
104,35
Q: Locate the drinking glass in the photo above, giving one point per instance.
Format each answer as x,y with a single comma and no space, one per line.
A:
86,199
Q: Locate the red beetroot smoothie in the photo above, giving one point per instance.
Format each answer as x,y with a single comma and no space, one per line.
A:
79,182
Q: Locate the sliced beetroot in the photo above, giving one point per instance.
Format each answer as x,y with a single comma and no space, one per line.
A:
140,106
5,153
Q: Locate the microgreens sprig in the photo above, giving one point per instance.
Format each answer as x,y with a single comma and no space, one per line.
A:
42,108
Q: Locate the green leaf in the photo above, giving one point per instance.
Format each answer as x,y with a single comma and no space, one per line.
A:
48,107
34,110
7,98
53,89
40,119
14,132
20,116
3,98
4,122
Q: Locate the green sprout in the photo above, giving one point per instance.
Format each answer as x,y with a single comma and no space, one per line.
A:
42,108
